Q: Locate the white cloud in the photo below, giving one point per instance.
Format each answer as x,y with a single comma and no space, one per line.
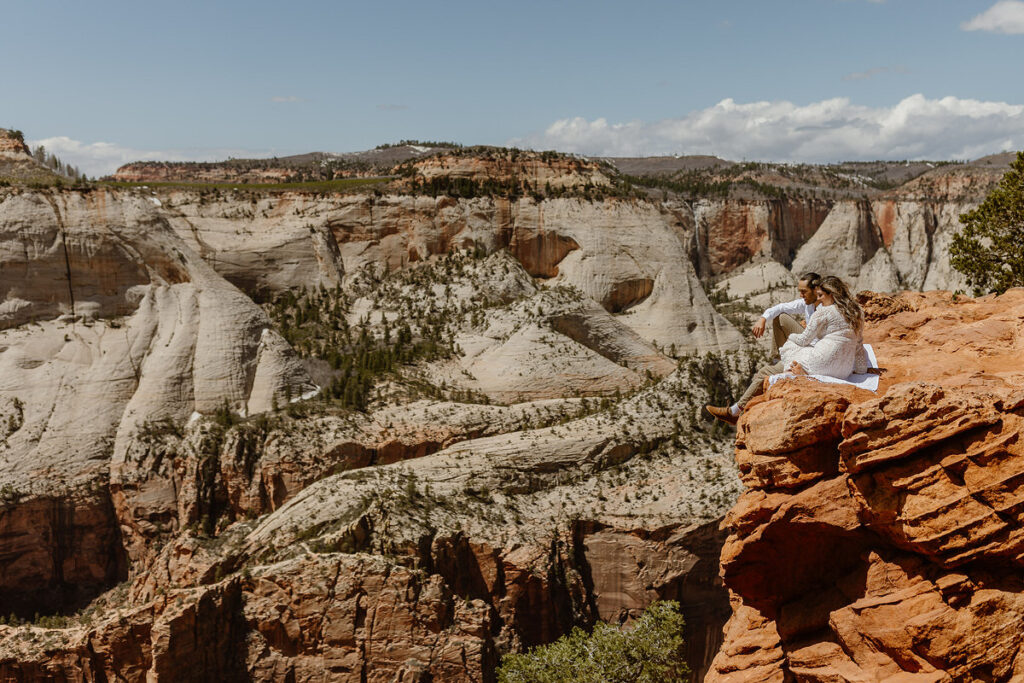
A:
103,158
1006,16
830,130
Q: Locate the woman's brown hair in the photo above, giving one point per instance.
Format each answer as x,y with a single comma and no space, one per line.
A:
847,305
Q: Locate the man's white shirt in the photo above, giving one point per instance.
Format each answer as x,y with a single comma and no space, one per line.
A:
794,307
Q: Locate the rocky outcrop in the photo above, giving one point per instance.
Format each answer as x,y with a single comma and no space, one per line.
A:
135,329
541,170
12,143
17,164
879,536
169,172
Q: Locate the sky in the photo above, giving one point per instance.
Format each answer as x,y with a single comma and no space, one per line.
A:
104,83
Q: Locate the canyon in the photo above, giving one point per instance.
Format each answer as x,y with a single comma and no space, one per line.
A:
393,433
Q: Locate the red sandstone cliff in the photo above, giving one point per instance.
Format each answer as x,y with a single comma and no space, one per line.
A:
880,535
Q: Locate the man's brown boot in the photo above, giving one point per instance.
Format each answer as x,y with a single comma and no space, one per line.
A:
722,414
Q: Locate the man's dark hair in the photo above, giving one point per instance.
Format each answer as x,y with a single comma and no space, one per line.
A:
812,279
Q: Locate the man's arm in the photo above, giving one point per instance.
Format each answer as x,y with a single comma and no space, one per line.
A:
795,307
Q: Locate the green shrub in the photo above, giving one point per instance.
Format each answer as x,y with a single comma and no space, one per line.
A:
989,250
651,651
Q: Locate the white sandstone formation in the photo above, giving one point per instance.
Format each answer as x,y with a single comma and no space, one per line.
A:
886,245
125,325
632,257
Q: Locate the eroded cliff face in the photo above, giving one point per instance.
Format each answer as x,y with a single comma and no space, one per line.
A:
109,323
9,144
414,544
644,260
880,534
886,244
631,257
731,233
503,166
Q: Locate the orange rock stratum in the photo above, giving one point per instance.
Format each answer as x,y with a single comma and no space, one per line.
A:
880,536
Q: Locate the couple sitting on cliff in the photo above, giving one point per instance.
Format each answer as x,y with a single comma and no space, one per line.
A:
829,343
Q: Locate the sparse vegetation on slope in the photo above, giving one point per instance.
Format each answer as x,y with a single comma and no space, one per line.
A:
383,321
313,187
760,180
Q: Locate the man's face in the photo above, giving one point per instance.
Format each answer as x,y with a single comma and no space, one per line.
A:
806,293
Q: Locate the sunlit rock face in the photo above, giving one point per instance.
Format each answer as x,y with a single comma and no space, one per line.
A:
109,323
880,534
631,257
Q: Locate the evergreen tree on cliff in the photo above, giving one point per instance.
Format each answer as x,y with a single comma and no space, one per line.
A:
989,250
651,651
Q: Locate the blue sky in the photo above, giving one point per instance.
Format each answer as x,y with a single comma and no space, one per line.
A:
793,80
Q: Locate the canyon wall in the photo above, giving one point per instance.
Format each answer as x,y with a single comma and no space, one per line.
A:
642,261
108,323
885,244
626,254
631,257
148,436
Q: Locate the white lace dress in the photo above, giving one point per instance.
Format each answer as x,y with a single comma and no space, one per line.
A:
838,351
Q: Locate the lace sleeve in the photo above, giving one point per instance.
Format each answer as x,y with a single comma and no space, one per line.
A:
860,361
814,329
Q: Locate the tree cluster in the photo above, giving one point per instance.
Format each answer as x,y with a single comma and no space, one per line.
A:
989,250
651,651
53,163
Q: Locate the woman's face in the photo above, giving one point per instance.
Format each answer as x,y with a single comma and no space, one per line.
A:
824,298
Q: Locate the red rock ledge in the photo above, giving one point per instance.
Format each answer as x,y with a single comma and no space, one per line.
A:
880,537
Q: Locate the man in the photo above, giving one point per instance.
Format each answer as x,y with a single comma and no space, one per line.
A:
781,316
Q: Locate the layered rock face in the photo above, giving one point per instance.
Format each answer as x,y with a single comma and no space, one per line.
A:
153,172
468,544
9,144
886,244
880,534
554,171
631,257
639,260
730,233
135,329
17,164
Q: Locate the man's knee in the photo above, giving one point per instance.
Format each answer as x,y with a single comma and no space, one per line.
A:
786,325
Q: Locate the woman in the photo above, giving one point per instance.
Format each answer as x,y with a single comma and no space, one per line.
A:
835,329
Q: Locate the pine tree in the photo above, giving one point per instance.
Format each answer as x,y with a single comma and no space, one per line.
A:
989,250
